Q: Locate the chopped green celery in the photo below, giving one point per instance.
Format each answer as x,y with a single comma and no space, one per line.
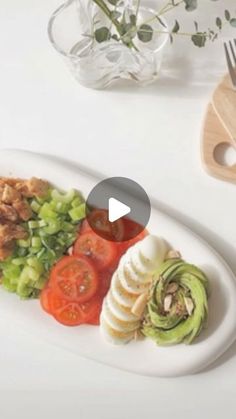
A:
36,264
36,224
67,197
8,285
62,207
47,256
77,201
36,242
78,213
34,251
67,227
40,283
40,200
24,287
41,253
46,212
11,271
19,261
21,252
23,243
35,206
53,227
49,242
29,273
66,239
47,197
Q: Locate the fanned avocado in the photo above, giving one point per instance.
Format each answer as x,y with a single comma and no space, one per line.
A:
177,323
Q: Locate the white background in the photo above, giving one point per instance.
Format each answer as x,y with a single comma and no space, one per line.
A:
151,135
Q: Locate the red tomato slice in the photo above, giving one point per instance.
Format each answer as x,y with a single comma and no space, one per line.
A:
95,321
92,309
99,222
45,299
97,308
101,251
74,278
131,229
71,313
85,227
105,281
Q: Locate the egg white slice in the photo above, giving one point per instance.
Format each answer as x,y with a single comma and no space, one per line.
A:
152,251
120,294
147,255
114,336
126,265
121,312
131,286
115,323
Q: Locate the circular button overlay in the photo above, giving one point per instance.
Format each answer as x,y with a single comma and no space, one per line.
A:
118,209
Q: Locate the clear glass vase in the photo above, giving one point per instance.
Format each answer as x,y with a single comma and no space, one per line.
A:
97,65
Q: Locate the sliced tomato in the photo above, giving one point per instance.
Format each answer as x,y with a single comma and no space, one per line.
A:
99,222
105,277
74,278
85,227
92,309
132,229
45,299
97,308
71,313
104,282
102,252
95,321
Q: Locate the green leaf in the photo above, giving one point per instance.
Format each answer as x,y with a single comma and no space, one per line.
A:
115,14
128,32
122,29
115,37
233,22
113,2
199,39
227,15
191,5
176,27
133,19
102,34
219,23
145,33
161,22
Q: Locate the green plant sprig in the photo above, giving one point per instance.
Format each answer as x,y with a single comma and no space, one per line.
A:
127,30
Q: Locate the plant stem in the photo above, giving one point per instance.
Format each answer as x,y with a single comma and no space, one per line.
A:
102,5
162,11
137,9
173,33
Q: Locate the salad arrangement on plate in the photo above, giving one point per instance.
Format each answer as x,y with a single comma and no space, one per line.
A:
130,289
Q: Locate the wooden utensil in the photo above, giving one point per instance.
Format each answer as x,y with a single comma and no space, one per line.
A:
224,102
220,128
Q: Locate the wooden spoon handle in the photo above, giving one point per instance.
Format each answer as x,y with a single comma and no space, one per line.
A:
214,134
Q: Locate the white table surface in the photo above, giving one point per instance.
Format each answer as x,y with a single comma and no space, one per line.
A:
151,135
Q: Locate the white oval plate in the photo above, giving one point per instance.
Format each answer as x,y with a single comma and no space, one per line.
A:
142,357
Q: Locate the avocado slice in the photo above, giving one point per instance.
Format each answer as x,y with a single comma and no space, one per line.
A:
177,324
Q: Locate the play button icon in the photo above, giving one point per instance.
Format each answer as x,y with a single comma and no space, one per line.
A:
118,209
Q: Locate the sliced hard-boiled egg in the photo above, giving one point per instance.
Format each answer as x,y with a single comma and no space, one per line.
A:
132,280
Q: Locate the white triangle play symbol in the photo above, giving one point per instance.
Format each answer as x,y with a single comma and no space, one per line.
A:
116,209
